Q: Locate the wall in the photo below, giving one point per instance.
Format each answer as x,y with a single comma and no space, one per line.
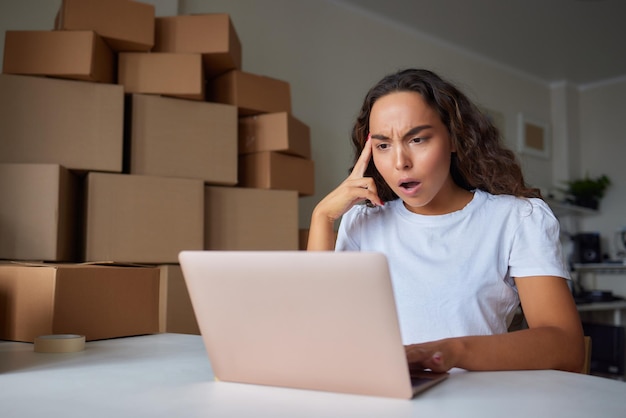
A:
603,151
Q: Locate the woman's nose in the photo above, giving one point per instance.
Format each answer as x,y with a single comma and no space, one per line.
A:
403,159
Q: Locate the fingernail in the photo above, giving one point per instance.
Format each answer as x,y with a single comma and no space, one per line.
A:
368,137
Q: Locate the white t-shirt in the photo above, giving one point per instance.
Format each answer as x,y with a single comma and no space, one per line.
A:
453,274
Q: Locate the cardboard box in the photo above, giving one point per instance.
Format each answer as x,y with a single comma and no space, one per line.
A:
76,124
125,25
274,132
38,213
211,35
175,310
277,171
170,74
250,219
142,219
80,55
95,301
183,138
251,93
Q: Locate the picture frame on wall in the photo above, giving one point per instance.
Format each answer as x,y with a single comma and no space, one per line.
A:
533,137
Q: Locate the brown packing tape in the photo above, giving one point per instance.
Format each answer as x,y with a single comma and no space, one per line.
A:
59,343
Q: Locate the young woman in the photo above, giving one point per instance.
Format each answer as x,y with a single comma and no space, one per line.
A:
467,241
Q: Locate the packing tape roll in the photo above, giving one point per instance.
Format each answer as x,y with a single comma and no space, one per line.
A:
59,343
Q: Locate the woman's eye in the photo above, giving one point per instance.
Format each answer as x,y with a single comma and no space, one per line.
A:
382,146
417,140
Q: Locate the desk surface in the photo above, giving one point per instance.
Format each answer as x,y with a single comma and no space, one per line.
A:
169,375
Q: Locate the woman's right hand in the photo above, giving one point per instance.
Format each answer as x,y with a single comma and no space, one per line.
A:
356,188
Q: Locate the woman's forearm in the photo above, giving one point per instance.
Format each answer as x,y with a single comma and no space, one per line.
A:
321,234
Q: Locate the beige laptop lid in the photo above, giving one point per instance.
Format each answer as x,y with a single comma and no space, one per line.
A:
309,320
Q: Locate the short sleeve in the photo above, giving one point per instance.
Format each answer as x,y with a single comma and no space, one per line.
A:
536,249
349,231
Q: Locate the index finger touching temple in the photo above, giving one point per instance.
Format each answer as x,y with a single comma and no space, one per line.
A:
364,158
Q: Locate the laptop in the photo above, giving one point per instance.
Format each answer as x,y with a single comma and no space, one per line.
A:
306,320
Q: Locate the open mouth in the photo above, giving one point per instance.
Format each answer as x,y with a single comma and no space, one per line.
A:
409,185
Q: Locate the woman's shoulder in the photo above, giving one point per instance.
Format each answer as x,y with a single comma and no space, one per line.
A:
523,206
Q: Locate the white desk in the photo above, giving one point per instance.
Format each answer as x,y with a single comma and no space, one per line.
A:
169,375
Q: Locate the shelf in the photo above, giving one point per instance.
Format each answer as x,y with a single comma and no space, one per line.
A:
567,209
601,306
607,268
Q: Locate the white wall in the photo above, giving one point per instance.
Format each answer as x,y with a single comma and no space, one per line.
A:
602,110
603,151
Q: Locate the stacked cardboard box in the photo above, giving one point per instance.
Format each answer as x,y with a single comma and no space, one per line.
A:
62,122
92,300
121,143
273,147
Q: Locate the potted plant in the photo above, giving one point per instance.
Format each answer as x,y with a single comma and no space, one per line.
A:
587,191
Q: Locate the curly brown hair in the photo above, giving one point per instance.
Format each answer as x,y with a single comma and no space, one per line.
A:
480,162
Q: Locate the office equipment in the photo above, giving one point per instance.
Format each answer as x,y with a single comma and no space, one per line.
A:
309,320
608,356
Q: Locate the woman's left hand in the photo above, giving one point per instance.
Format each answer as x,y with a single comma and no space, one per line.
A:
437,356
